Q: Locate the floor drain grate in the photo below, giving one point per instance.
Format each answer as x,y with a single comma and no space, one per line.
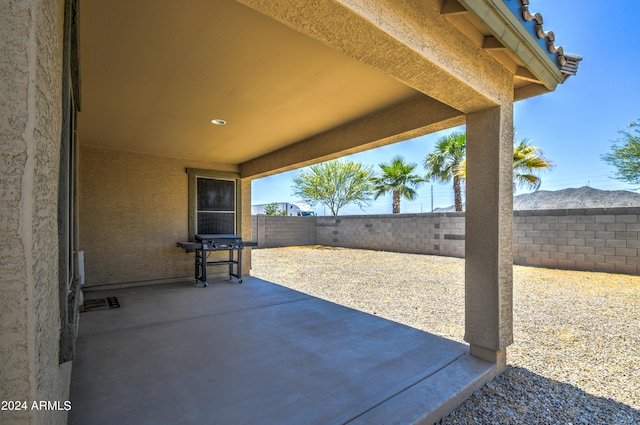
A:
95,304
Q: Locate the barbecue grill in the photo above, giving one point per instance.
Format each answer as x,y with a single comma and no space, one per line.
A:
205,244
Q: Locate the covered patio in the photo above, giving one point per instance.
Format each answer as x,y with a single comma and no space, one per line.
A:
116,149
259,353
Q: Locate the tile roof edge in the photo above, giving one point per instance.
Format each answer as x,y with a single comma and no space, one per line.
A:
567,62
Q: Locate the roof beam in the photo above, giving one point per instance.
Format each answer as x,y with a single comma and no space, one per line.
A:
529,90
416,116
524,74
451,7
392,38
492,43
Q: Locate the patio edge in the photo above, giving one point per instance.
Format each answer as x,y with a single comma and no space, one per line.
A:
434,398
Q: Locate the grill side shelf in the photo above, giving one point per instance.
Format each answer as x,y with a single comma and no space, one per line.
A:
189,245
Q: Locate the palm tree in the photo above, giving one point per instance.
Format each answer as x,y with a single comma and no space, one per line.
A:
396,177
527,160
444,163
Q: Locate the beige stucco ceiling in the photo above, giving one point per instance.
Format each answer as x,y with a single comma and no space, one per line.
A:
154,74
289,79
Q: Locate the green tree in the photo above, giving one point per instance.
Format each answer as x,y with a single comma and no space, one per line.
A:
528,161
443,164
448,161
397,178
625,154
273,209
335,184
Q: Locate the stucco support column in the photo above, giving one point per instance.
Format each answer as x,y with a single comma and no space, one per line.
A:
245,217
489,229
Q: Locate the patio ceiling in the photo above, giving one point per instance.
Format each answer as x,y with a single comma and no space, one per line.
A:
156,72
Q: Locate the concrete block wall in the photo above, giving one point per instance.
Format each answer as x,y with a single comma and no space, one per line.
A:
596,239
278,231
438,234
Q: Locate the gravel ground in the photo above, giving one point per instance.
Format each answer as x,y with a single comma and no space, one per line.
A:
576,354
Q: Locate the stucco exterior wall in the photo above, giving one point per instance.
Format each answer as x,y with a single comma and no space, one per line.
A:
247,227
133,210
30,128
14,84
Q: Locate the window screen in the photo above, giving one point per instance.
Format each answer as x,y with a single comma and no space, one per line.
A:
216,205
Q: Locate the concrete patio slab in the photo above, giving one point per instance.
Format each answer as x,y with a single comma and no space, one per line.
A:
259,353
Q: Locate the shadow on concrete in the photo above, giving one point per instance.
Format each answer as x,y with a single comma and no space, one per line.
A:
259,353
519,396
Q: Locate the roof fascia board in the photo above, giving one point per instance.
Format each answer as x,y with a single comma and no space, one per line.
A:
513,34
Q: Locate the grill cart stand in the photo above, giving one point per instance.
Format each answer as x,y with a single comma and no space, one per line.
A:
203,246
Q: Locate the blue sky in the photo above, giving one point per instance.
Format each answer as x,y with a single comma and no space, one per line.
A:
573,125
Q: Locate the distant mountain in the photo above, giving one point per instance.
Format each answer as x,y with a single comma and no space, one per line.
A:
581,197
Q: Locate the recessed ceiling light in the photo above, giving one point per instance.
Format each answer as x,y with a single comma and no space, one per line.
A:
218,121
